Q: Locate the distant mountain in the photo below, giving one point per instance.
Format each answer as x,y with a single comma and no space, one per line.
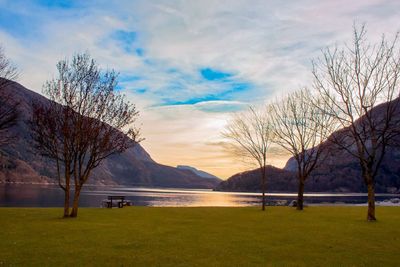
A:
21,163
198,172
340,172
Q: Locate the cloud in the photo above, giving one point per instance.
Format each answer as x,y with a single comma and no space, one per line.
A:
188,64
220,106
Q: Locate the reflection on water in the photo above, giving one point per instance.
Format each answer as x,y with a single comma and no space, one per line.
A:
178,197
12,195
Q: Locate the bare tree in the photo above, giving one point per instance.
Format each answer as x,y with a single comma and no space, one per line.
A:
250,135
355,81
86,122
52,130
8,106
300,128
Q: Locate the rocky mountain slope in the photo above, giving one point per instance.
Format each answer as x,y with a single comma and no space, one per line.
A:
21,163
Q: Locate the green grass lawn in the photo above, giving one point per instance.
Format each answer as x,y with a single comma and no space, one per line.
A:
144,236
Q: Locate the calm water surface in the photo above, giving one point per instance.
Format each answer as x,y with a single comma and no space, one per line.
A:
12,195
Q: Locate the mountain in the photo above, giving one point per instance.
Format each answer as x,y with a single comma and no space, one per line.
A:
198,172
278,180
21,163
339,172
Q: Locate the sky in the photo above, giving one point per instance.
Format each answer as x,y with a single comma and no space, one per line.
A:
189,65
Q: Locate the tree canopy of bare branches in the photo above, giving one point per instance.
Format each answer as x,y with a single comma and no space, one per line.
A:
354,81
300,128
86,122
250,136
8,106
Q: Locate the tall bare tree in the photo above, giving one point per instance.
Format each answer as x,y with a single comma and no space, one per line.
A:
86,122
250,137
52,130
300,128
355,81
8,106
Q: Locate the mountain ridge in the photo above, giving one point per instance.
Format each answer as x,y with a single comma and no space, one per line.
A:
198,172
339,172
21,163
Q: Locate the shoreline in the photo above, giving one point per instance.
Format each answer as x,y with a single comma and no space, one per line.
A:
49,195
207,191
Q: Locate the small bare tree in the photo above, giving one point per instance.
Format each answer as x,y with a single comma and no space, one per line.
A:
300,128
250,136
8,106
355,82
83,124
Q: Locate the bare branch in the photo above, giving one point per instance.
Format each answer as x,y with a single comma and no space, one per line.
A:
360,83
250,136
300,127
8,106
89,121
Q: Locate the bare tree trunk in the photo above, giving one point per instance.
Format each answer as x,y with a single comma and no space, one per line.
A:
66,200
263,188
65,187
300,194
75,204
371,201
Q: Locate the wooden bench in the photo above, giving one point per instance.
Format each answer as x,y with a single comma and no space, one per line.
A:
120,200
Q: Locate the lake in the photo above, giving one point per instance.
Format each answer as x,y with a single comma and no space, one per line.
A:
22,195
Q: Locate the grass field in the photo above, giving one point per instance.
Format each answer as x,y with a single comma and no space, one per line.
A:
143,236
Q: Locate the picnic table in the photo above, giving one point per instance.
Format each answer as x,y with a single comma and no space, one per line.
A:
119,200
